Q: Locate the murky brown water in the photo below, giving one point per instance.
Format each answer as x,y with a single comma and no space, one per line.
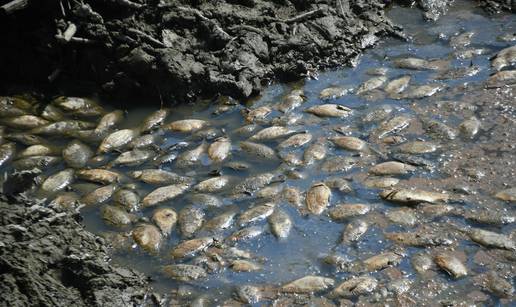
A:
454,139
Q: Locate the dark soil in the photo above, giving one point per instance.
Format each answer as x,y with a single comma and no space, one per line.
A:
48,259
180,50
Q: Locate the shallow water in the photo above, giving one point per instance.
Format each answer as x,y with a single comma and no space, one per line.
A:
314,236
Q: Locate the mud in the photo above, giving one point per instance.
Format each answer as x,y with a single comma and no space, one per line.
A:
48,259
178,50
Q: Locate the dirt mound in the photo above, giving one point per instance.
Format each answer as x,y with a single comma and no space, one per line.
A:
184,49
48,259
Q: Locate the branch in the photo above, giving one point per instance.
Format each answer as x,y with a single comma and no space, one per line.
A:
303,16
15,5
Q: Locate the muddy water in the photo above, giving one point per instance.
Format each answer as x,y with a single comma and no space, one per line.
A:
468,170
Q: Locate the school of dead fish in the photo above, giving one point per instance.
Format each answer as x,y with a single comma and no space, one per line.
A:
97,153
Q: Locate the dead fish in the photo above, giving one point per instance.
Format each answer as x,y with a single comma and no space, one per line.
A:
507,194
211,185
296,140
355,286
280,223
308,284
77,154
318,198
133,157
244,266
418,238
492,239
392,168
392,125
422,262
461,40
451,264
340,184
245,234
293,196
63,127
414,63
271,133
501,78
417,147
414,160
270,192
488,216
165,219
287,120
498,285
354,231
164,194
377,114
117,140
470,127
419,91
439,129
184,272
506,57
79,106
292,101
65,200
187,125
220,222
109,121
382,261
154,120
371,84
402,216
128,199
397,86
24,122
338,164
415,196
191,157
345,211
26,138
116,216
378,71
159,177
205,200
259,150
246,130
190,247
333,92
329,110
220,149
146,141
315,152
256,115
58,181
381,182
7,152
99,196
148,237
99,175
350,143
256,213
51,113
253,183
190,220
35,162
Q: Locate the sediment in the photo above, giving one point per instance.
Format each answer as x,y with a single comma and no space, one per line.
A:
47,258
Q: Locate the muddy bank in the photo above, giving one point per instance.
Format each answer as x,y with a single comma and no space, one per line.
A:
183,49
48,259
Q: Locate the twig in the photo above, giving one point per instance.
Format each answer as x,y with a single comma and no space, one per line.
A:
129,4
303,16
15,5
146,36
198,13
68,33
53,76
